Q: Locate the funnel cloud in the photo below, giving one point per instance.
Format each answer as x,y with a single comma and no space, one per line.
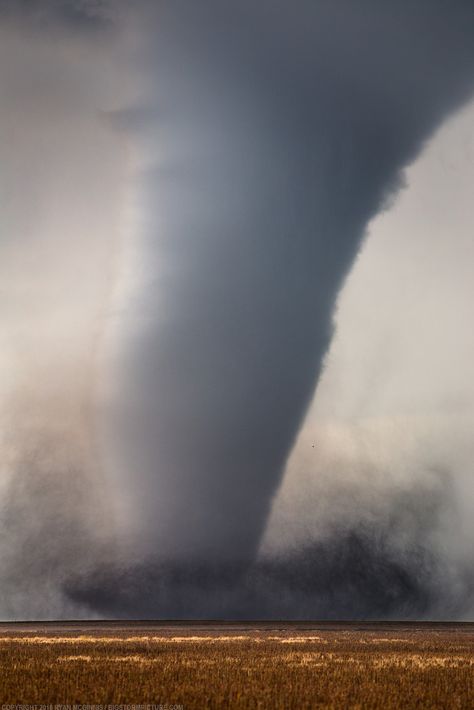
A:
192,183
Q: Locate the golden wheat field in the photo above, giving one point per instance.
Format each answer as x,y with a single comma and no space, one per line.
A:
254,665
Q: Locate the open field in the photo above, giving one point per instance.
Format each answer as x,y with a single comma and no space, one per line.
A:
241,665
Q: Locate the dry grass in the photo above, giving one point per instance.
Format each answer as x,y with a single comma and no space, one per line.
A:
241,667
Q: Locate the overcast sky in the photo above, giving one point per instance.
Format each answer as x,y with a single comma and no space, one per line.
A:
186,392
395,405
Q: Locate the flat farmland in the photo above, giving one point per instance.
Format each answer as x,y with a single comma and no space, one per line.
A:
239,665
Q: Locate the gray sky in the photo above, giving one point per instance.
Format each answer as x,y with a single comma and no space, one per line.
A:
394,409
185,188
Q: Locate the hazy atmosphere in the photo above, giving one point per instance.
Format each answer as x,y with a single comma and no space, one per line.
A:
236,345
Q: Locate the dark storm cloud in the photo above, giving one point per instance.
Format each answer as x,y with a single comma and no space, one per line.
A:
281,129
75,14
270,132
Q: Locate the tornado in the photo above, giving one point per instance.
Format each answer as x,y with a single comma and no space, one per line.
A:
188,185
272,133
